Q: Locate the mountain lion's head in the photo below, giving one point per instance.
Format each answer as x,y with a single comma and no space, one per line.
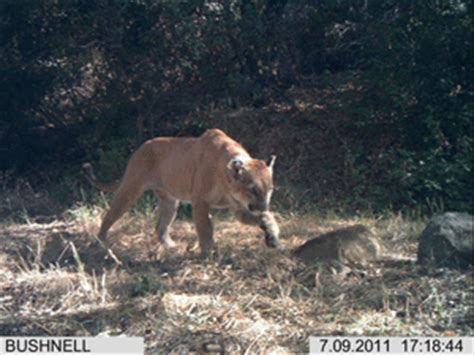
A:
251,182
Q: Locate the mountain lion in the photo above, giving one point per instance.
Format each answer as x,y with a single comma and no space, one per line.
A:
211,171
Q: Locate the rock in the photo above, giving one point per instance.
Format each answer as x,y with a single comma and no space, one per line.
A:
447,241
350,245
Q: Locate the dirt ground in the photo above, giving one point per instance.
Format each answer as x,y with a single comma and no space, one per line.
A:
244,299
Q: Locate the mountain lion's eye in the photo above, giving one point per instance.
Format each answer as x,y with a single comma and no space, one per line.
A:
255,191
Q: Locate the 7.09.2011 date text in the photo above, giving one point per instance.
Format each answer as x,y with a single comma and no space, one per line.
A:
391,345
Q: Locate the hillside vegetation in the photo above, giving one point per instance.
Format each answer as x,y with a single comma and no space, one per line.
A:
368,104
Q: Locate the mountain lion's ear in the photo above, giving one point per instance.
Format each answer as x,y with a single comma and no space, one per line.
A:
271,161
235,167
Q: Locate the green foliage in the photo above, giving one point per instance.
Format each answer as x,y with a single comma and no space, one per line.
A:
90,81
141,288
417,104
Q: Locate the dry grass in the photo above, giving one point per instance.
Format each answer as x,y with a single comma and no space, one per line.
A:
245,299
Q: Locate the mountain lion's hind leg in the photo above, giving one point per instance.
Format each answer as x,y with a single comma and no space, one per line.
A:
126,195
166,214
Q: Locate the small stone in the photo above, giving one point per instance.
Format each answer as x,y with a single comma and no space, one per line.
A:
447,241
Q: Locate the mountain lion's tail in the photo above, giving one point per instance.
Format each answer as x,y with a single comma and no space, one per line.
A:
104,186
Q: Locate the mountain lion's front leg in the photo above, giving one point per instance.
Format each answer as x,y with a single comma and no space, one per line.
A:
266,221
203,222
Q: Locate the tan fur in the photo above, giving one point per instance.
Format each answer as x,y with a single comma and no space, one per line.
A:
212,171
